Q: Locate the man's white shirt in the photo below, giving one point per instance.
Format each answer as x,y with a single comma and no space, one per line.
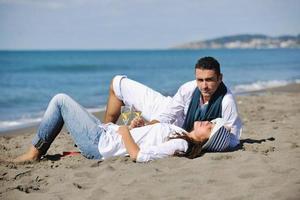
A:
176,111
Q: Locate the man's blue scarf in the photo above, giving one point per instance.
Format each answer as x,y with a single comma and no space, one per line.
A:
213,110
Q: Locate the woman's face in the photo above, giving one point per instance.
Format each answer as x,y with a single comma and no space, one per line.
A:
202,130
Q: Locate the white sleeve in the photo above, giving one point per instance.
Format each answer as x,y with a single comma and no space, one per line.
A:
231,116
162,150
181,100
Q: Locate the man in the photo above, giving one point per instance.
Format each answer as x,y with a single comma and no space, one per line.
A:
203,99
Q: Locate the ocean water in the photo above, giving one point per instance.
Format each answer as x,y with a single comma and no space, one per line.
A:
28,79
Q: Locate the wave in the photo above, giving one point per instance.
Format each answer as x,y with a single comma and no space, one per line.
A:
18,124
30,121
261,85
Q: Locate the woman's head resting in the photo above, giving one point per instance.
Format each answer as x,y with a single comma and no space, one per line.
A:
202,130
219,138
213,133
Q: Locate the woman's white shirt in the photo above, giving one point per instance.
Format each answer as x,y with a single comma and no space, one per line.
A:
152,140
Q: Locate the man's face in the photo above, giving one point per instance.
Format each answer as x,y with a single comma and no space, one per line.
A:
208,82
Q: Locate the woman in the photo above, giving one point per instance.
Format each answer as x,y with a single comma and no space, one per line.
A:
96,140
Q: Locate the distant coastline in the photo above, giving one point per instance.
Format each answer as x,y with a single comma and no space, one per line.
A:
244,41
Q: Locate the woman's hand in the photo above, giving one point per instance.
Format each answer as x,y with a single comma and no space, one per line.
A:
137,122
130,145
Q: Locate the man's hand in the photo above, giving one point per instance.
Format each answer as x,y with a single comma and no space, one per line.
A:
137,122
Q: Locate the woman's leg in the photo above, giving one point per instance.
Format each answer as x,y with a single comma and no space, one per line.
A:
83,126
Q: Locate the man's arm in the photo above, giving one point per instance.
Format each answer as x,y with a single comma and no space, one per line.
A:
175,110
130,145
154,121
231,116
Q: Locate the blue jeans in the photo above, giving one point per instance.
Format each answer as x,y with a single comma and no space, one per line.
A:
83,126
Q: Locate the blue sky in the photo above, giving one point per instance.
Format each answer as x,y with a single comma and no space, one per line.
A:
138,24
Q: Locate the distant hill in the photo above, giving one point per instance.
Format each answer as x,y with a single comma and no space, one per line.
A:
244,41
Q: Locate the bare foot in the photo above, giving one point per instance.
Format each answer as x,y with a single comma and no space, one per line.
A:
31,155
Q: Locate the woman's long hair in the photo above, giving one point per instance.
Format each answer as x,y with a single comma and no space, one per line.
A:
194,148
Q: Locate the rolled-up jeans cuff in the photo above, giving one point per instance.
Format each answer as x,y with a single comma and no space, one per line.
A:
41,145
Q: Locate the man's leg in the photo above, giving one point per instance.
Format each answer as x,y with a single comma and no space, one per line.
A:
113,106
124,91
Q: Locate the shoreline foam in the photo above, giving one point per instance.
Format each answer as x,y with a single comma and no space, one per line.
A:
262,85
10,126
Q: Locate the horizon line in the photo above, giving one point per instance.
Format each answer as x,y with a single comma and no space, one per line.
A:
142,49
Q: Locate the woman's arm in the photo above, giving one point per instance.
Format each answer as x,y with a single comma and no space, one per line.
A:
130,145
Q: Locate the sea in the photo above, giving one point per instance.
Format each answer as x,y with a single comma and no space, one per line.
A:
29,79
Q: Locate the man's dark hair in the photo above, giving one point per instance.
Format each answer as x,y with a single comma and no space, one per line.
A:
208,63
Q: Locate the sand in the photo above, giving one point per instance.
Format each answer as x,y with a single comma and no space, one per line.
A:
265,166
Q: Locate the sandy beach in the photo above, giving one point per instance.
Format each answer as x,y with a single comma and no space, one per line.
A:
266,165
